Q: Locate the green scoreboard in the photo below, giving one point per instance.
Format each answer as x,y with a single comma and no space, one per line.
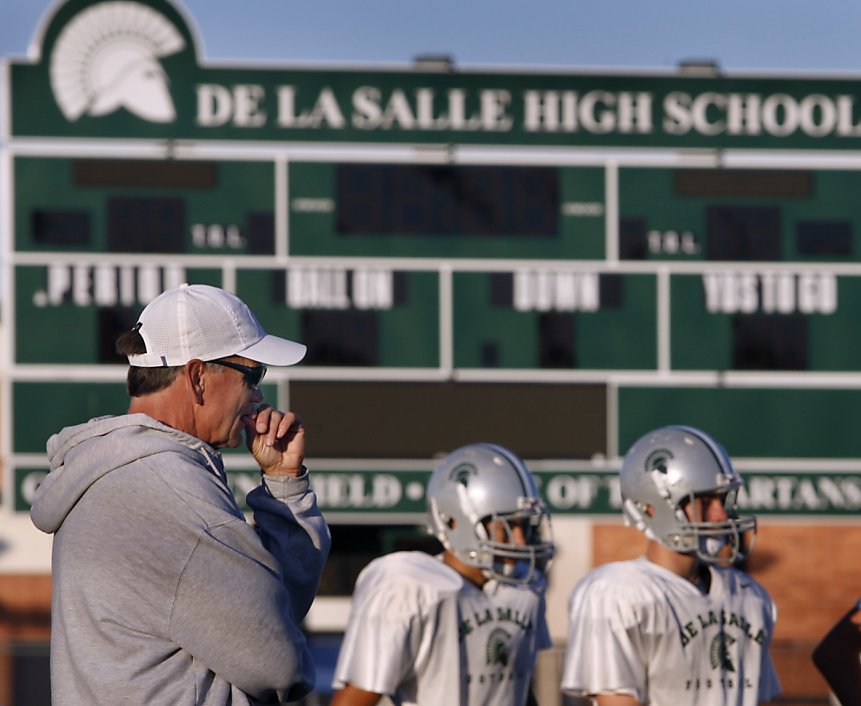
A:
556,262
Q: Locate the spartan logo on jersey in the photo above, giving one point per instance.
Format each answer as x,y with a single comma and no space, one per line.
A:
462,473
498,649
657,460
106,58
719,652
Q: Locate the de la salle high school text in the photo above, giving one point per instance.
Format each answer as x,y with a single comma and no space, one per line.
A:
496,110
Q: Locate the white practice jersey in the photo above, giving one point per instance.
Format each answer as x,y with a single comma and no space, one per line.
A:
422,634
638,629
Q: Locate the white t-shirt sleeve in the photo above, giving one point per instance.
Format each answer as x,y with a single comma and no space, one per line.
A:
604,651
392,621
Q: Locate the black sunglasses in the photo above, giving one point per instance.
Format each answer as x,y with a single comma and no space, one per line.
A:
252,376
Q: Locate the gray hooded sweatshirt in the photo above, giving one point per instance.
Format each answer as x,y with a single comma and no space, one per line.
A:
162,593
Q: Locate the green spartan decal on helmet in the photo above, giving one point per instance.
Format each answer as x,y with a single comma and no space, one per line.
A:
462,472
657,460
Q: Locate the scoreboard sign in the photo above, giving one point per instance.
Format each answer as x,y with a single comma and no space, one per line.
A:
556,262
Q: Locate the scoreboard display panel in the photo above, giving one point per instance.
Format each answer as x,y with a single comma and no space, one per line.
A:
360,317
446,210
739,215
73,310
766,320
555,319
144,206
555,261
760,423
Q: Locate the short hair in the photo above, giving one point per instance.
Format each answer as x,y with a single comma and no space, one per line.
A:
143,381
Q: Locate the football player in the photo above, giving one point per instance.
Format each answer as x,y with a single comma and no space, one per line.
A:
679,626
463,627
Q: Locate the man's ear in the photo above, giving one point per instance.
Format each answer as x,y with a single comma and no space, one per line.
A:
194,374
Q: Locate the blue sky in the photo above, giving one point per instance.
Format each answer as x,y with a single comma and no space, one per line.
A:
763,36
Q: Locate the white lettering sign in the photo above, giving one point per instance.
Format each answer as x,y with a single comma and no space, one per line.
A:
799,494
106,285
778,114
356,490
548,290
770,292
338,288
239,105
596,112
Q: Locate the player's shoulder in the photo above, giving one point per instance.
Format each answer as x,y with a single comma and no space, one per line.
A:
617,575
623,592
416,569
404,584
633,582
737,581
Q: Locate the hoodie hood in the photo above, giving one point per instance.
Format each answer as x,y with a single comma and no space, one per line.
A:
80,455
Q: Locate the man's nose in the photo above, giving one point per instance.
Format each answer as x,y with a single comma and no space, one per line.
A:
716,512
518,536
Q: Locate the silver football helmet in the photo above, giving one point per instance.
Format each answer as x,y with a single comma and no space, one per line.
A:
476,497
663,472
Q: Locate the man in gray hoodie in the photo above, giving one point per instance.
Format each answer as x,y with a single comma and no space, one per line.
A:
162,593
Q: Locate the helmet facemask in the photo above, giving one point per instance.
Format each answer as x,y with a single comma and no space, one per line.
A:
507,557
715,542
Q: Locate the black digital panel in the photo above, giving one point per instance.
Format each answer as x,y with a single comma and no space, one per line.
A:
556,346
347,337
489,354
745,233
743,182
612,291
260,234
501,289
146,224
825,238
769,342
61,227
632,239
144,172
421,199
408,419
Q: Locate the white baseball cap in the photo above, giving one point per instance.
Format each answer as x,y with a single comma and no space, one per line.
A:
198,321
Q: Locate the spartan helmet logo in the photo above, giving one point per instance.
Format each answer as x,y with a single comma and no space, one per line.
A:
462,473
657,460
106,58
719,652
498,649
